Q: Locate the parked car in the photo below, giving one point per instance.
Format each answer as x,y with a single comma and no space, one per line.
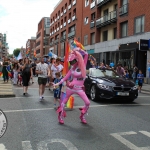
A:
107,84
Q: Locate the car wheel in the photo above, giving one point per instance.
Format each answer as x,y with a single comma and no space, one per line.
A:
93,93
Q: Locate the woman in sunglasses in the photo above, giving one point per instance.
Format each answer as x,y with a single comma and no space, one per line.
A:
78,60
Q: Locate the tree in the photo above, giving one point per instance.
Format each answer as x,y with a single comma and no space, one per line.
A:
16,52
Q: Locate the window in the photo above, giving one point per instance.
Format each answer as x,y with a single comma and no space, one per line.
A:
56,50
93,16
71,29
86,40
139,24
124,2
86,20
105,35
115,33
124,29
86,3
115,7
92,38
62,49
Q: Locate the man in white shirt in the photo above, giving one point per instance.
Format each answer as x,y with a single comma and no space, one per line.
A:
43,72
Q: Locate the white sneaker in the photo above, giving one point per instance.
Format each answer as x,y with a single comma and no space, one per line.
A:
40,100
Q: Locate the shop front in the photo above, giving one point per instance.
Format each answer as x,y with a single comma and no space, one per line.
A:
128,55
132,53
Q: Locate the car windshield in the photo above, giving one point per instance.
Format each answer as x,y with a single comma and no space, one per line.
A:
104,73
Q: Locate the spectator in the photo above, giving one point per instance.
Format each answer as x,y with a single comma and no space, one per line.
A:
134,75
140,78
43,72
57,90
15,73
26,74
120,70
4,70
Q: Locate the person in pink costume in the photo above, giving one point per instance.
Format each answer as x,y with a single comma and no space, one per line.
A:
78,60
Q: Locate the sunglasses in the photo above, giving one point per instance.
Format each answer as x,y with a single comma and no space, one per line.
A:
73,62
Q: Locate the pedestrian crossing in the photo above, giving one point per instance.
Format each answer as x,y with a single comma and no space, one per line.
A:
6,89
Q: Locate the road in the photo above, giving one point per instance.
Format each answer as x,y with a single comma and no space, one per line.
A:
111,125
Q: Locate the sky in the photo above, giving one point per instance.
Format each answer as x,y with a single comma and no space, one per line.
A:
19,19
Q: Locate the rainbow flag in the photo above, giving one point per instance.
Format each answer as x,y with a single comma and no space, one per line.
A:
66,63
78,44
9,72
70,102
1,74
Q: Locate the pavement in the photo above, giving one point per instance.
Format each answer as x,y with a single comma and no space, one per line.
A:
146,88
6,89
112,125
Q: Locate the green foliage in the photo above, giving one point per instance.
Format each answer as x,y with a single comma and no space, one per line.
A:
10,55
16,52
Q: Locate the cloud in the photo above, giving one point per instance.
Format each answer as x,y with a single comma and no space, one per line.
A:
19,19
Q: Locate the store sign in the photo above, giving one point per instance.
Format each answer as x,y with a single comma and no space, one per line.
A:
143,45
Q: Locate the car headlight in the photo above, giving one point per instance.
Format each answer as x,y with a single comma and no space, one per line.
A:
134,88
102,86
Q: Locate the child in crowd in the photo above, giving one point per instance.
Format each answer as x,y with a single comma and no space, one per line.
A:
19,77
57,90
140,78
63,92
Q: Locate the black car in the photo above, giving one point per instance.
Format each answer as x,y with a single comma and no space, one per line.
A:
107,84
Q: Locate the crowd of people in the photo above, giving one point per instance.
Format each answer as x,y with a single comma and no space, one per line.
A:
135,74
49,71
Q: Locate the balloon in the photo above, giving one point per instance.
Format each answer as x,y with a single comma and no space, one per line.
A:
149,69
50,54
112,64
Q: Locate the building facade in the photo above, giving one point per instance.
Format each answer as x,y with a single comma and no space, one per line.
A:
30,47
110,30
3,46
42,37
66,23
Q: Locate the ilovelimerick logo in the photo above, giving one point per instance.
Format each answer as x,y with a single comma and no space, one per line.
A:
3,123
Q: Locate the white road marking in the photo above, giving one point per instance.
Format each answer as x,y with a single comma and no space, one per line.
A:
30,97
130,145
145,133
92,106
2,147
43,144
124,141
26,145
24,97
28,88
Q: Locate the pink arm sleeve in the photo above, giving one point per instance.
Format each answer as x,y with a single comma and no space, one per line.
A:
65,78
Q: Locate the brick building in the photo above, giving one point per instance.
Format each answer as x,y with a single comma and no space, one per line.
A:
110,30
30,47
42,37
